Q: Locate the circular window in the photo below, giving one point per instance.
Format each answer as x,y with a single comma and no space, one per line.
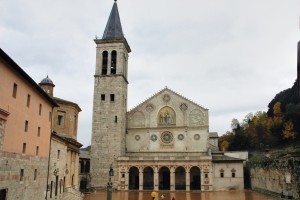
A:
137,137
167,137
153,138
180,137
196,136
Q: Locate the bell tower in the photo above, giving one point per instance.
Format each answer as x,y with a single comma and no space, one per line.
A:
110,101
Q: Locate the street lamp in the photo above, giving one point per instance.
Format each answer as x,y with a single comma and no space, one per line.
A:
153,195
109,184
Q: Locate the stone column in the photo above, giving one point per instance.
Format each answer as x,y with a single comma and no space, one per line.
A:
126,179
156,178
109,63
141,179
172,179
187,180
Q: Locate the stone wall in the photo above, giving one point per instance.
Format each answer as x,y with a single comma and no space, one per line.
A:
280,176
29,187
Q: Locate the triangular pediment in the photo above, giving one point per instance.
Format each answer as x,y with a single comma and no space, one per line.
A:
163,95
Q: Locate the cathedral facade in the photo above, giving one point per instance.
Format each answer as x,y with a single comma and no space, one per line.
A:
162,144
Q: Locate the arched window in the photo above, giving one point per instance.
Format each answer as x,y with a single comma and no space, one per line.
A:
166,116
104,62
113,62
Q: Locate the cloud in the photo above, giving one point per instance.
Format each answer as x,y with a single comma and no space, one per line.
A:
232,57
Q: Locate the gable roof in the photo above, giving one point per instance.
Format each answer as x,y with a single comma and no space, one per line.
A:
166,89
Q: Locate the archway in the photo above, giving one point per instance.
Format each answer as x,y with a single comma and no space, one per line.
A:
164,178
195,178
133,178
180,183
148,177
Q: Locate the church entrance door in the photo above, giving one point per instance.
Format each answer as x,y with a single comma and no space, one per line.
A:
164,178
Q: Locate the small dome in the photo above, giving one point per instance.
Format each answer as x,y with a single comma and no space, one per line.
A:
47,80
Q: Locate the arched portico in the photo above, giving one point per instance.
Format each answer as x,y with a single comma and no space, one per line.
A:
195,178
133,178
148,179
180,179
164,178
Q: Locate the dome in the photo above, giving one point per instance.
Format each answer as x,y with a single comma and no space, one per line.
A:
46,81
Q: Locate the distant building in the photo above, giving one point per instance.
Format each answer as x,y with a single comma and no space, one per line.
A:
64,158
84,172
164,143
25,129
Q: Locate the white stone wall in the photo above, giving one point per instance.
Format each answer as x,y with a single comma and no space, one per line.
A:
190,133
228,182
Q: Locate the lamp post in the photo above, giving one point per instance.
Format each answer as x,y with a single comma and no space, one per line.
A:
153,195
109,184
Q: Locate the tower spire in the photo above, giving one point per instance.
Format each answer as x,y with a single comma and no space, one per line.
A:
113,29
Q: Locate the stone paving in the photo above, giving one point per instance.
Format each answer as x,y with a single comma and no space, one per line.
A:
224,195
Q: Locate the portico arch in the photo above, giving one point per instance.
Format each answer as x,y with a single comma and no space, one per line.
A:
195,178
180,183
148,179
164,178
133,178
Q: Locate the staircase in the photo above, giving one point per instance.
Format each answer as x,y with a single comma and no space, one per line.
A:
72,194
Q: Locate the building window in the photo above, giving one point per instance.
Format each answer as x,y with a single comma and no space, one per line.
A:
40,109
35,174
28,100
58,154
112,97
26,126
102,97
104,62
24,148
233,173
206,175
60,120
22,175
113,62
15,88
37,151
222,174
39,132
116,119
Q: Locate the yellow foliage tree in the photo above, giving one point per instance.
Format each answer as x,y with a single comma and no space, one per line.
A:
277,113
224,145
288,130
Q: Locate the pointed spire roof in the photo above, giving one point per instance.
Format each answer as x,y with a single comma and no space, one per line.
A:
113,29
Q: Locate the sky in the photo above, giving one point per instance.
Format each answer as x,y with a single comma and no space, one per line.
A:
231,57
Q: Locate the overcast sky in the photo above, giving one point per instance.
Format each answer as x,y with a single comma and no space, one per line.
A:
231,57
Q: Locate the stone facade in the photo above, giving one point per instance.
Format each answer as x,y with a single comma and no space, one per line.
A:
162,144
64,156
